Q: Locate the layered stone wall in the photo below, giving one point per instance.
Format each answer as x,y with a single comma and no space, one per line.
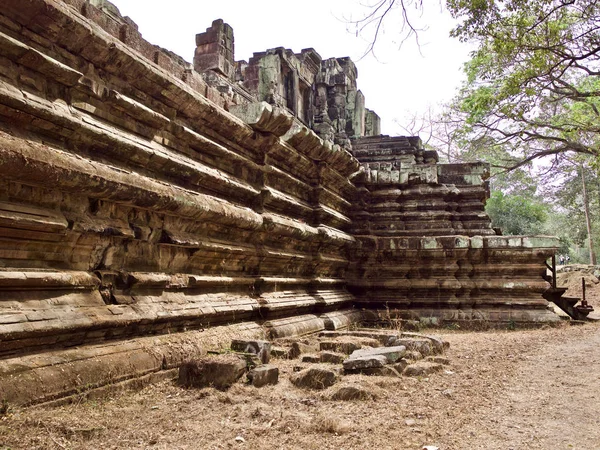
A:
133,204
426,248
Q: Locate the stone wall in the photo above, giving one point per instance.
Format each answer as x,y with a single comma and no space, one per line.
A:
425,246
133,204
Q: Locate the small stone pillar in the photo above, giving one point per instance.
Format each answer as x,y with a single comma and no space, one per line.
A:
214,50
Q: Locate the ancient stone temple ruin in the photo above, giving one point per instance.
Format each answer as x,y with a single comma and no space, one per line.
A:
151,208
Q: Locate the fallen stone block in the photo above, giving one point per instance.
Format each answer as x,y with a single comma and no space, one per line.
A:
437,343
420,345
314,378
364,362
263,375
385,371
400,365
219,371
369,337
422,368
279,352
346,393
392,354
260,348
340,346
311,359
332,357
413,355
299,348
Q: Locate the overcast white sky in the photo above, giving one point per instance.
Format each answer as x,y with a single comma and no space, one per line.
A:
399,83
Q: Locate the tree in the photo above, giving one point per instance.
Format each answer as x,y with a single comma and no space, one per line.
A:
533,84
516,214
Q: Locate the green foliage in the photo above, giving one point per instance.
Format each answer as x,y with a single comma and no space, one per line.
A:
516,214
533,84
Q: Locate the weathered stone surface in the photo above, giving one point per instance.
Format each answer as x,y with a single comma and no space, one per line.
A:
437,343
423,346
263,375
279,352
422,368
262,349
331,357
400,365
314,378
413,355
311,358
348,393
340,346
392,354
372,338
219,371
299,348
365,362
385,371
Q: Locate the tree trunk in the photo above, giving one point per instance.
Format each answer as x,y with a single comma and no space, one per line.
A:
588,223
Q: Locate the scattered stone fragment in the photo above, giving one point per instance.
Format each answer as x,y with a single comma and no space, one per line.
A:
400,365
331,357
382,337
299,348
346,393
392,354
438,359
422,368
438,344
314,378
240,439
263,375
413,355
339,346
448,393
279,352
219,371
260,348
410,422
420,345
311,359
385,371
364,362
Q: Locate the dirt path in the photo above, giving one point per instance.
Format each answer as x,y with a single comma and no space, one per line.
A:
521,389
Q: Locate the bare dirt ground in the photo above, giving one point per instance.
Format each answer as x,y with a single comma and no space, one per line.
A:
535,389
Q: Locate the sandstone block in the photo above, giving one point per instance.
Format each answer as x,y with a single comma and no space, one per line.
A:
365,362
314,378
340,346
311,359
420,345
392,354
332,357
299,348
263,375
437,343
219,371
422,368
385,371
346,393
413,355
